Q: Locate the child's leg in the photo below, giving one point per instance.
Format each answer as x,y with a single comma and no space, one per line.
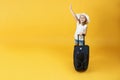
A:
76,42
81,42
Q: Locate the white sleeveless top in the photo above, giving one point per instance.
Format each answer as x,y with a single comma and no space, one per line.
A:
80,29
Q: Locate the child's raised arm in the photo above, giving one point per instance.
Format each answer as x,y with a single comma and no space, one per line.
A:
74,15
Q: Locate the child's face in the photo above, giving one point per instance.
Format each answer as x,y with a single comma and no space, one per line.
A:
82,18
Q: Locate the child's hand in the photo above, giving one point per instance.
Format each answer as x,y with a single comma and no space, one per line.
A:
80,34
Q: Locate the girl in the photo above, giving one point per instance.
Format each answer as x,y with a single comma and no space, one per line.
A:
81,28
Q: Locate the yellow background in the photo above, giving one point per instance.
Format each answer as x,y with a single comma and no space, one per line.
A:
36,39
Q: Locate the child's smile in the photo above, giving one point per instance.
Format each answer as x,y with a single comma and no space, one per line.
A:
82,18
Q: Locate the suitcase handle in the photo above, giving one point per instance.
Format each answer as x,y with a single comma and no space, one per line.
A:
83,39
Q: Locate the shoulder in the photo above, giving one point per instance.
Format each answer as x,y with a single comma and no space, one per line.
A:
78,22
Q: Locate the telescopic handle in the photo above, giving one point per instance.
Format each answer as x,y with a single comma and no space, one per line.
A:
83,39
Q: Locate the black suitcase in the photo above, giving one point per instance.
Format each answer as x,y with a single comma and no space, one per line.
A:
81,56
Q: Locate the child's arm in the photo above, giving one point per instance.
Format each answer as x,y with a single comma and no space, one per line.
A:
74,15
